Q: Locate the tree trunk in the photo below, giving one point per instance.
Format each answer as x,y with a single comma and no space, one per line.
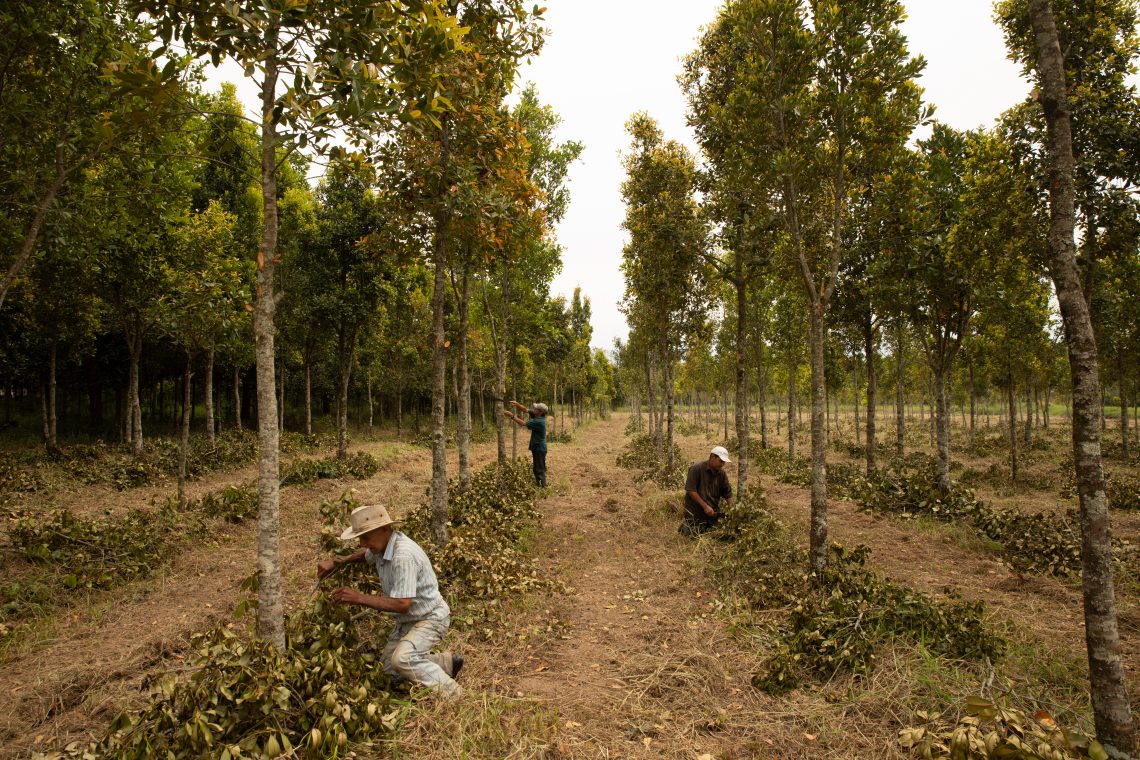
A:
271,602
134,405
463,395
668,411
346,350
973,401
1111,711
1123,406
792,412
211,428
900,405
184,439
308,396
237,398
371,409
52,438
871,353
741,384
1012,414
499,342
439,530
942,424
28,245
818,547
44,412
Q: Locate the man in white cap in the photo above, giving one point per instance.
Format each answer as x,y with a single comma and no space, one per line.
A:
410,595
705,486
537,427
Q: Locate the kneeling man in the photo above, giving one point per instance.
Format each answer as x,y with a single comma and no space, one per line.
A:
705,486
411,596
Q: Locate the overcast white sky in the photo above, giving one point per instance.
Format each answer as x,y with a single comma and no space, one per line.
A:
604,60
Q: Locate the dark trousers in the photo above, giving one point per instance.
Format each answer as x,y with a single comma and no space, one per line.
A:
539,468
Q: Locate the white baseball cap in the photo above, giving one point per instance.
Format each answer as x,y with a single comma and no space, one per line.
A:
721,453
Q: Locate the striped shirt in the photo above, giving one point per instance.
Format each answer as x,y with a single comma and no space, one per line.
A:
406,573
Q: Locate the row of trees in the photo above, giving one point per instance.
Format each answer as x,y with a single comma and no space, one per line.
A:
818,230
162,235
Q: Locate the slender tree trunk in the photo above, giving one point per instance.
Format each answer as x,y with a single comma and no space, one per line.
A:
439,348
942,423
818,547
346,349
856,394
741,384
792,412
281,399
1012,414
44,413
973,402
308,396
463,394
900,405
668,410
134,405
237,397
1122,379
184,439
368,385
52,419
1111,710
870,349
211,428
271,601
28,245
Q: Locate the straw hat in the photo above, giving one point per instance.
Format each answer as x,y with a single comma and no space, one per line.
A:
365,519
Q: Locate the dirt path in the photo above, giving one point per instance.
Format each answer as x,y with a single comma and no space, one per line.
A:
83,668
638,660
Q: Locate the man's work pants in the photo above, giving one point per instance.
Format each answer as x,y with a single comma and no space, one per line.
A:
408,655
539,467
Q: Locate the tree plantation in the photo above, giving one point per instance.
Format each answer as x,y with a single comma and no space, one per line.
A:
304,414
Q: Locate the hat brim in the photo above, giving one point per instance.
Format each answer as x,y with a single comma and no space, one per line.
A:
350,534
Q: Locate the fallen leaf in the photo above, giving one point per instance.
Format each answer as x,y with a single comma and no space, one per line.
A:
810,737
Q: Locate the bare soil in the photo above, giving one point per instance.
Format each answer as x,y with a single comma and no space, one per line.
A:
641,658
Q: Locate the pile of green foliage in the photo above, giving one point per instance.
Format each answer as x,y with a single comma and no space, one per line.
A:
990,729
641,454
233,503
360,465
1040,544
909,488
485,559
1124,491
15,478
246,700
99,553
838,620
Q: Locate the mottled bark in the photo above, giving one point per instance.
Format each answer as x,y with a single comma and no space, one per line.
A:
211,428
308,396
442,220
871,353
1012,424
52,431
463,394
1111,712
900,403
669,411
184,438
346,352
134,405
237,397
818,547
942,426
271,601
741,383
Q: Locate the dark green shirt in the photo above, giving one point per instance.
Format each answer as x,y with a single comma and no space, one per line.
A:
537,428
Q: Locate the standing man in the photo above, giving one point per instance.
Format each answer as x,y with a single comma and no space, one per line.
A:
411,596
706,484
537,427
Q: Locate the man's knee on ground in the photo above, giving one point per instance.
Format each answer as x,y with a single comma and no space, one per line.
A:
404,659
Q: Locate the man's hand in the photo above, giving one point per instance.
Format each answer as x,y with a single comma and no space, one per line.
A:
709,511
345,595
325,569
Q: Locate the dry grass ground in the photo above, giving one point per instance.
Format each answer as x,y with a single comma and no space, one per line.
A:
642,658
